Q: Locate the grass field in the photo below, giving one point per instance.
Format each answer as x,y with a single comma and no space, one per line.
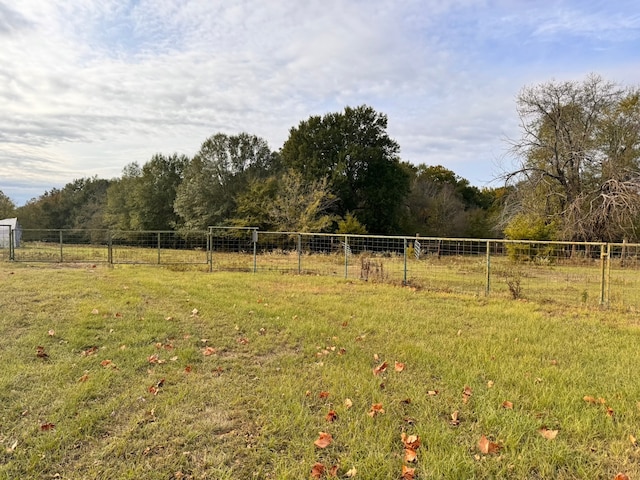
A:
142,372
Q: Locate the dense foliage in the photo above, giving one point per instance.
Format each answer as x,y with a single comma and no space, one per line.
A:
337,173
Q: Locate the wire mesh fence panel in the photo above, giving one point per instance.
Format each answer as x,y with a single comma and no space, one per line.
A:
73,246
134,247
232,249
623,275
279,251
548,272
183,247
447,264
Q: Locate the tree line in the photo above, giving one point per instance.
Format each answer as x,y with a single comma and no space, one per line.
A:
576,177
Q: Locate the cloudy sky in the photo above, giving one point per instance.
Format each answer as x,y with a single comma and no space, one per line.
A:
88,86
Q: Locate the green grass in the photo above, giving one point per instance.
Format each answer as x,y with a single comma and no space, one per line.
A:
253,408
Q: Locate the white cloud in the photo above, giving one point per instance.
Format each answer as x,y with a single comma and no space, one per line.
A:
90,85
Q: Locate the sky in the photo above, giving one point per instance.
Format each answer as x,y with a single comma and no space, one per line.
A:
89,86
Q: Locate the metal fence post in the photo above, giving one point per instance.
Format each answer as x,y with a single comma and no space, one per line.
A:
210,249
404,280
608,273
602,273
11,244
487,286
346,256
254,238
158,242
60,246
109,248
299,254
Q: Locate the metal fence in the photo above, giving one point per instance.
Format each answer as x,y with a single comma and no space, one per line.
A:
573,273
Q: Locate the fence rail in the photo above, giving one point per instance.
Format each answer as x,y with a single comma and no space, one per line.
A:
574,273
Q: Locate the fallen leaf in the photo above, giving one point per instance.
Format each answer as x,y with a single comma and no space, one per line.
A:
95,311
490,384
333,471
408,473
174,358
208,351
40,353
433,393
380,368
52,333
324,440
589,399
194,312
547,433
487,447
332,416
410,441
13,446
376,409
243,340
352,472
621,476
633,440
376,357
89,351
610,412
323,394
399,366
83,378
188,369
466,394
455,421
348,403
153,359
317,470
106,363
410,455
507,404
47,426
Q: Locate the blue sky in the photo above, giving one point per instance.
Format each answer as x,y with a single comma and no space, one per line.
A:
88,86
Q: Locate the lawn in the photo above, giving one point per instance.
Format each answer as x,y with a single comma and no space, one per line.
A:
147,372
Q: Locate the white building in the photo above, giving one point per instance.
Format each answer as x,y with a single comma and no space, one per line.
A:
10,226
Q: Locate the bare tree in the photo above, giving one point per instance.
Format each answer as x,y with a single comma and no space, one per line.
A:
578,158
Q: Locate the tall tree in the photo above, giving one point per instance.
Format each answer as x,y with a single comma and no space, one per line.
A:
578,159
7,207
354,152
219,172
154,192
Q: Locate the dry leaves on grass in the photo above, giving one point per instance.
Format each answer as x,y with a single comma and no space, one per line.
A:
466,394
399,367
380,368
376,409
487,447
332,416
324,440
408,473
548,433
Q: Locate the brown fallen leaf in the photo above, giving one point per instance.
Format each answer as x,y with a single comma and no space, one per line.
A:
621,476
487,447
106,363
633,440
317,470
333,471
52,333
352,472
84,378
433,393
40,353
455,421
399,367
376,409
89,351
610,412
348,403
332,416
589,399
410,455
507,404
324,440
547,433
410,441
208,351
323,394
47,426
466,394
408,473
380,368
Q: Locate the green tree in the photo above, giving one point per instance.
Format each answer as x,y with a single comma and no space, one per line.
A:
219,172
119,203
443,204
7,207
578,159
360,161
